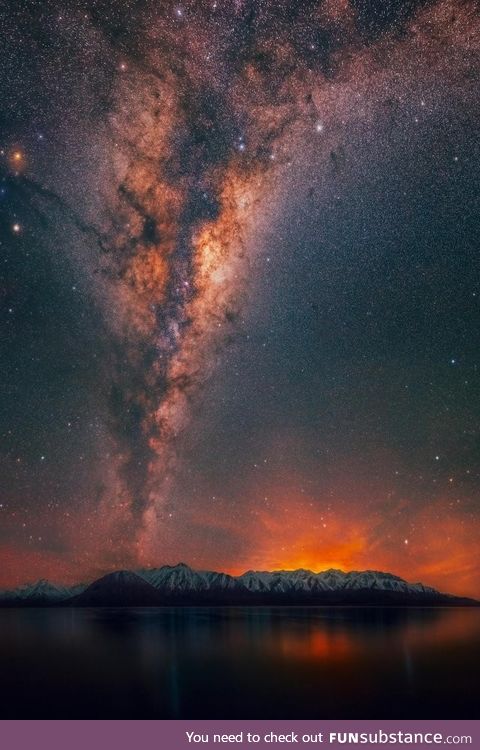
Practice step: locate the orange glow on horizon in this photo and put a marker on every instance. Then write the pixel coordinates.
(296, 532)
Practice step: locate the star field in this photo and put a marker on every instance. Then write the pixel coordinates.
(240, 287)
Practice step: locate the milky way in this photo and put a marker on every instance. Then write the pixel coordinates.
(244, 229)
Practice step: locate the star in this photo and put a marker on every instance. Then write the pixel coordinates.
(17, 160)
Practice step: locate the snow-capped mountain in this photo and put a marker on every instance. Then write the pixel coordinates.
(180, 584)
(181, 578)
(286, 581)
(42, 590)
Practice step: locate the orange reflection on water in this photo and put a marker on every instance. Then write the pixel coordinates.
(317, 644)
(347, 635)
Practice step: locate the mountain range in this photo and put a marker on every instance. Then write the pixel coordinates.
(181, 585)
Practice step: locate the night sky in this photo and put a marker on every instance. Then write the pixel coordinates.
(240, 287)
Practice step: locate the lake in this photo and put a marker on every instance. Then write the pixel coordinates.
(240, 663)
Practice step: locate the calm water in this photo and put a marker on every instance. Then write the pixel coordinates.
(239, 663)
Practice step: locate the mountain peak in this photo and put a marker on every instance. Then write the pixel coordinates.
(180, 584)
(120, 588)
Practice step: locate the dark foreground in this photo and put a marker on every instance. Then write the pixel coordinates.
(240, 663)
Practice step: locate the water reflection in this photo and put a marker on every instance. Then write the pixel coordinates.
(239, 662)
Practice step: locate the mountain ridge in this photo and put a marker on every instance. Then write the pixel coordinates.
(182, 585)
